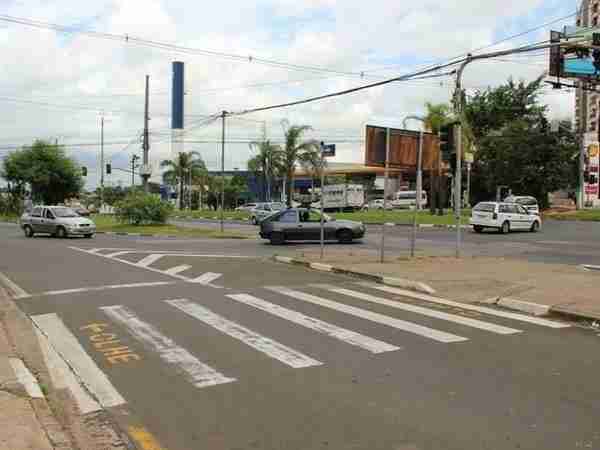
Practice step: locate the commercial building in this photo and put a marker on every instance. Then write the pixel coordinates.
(587, 114)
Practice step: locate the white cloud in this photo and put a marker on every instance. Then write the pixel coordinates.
(77, 70)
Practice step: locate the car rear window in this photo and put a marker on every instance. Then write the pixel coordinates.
(526, 201)
(486, 207)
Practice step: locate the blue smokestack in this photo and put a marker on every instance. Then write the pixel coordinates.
(177, 100)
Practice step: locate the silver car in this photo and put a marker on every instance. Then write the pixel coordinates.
(263, 210)
(58, 221)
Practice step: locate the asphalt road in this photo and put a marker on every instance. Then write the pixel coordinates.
(209, 352)
(558, 242)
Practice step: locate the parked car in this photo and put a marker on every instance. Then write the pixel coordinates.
(304, 224)
(263, 210)
(58, 221)
(504, 217)
(526, 201)
(246, 207)
(376, 204)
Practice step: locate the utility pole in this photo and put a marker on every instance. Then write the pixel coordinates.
(458, 108)
(146, 144)
(385, 193)
(223, 115)
(101, 161)
(322, 219)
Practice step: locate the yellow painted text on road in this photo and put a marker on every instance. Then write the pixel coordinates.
(109, 344)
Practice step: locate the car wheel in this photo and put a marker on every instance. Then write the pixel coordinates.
(505, 227)
(277, 238)
(28, 231)
(345, 236)
(61, 232)
(535, 227)
(254, 221)
(477, 228)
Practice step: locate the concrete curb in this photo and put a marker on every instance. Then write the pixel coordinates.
(538, 309)
(420, 226)
(396, 282)
(121, 233)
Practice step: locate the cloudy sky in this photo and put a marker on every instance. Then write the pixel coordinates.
(56, 85)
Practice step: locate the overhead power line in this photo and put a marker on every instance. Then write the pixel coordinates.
(128, 39)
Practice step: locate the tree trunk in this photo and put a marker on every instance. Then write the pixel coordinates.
(180, 192)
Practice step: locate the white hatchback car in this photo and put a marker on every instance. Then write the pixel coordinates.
(504, 217)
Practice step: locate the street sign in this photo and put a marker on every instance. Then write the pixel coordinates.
(577, 60)
(327, 150)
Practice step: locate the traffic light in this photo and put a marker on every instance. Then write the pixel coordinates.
(108, 169)
(84, 171)
(447, 141)
(593, 179)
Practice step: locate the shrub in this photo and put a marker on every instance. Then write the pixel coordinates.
(139, 208)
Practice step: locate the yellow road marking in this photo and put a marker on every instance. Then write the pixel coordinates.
(144, 438)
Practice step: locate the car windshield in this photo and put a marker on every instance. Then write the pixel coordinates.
(64, 212)
(486, 207)
(277, 206)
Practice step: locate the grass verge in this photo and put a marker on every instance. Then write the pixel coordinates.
(214, 215)
(9, 218)
(107, 223)
(590, 215)
(398, 216)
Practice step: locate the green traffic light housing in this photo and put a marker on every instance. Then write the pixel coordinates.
(447, 141)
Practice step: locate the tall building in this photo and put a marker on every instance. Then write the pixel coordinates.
(587, 114)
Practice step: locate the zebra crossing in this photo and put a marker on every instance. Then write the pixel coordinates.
(156, 338)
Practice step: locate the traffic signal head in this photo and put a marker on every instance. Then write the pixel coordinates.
(593, 179)
(447, 141)
(108, 169)
(84, 171)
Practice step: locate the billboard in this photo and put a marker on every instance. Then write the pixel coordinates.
(403, 148)
(572, 62)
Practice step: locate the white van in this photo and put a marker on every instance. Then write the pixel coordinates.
(408, 199)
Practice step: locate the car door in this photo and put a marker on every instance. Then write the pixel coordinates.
(36, 219)
(310, 225)
(48, 222)
(526, 219)
(289, 225)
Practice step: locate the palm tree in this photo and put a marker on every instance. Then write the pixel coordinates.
(296, 152)
(266, 163)
(181, 168)
(437, 115)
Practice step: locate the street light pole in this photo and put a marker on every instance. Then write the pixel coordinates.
(419, 194)
(223, 115)
(385, 193)
(101, 162)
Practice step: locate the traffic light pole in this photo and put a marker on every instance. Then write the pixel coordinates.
(385, 194)
(101, 162)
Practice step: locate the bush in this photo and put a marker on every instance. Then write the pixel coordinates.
(142, 209)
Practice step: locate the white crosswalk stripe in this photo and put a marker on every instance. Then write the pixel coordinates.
(178, 269)
(67, 346)
(150, 259)
(268, 346)
(423, 311)
(206, 278)
(403, 325)
(198, 373)
(481, 309)
(329, 329)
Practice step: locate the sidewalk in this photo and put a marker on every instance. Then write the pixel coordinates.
(22, 404)
(559, 288)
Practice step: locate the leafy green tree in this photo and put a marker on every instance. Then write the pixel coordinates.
(515, 146)
(436, 116)
(296, 151)
(178, 171)
(52, 176)
(139, 208)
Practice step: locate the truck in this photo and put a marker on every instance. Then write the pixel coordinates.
(342, 197)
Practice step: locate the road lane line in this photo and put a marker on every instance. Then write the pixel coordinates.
(13, 287)
(263, 344)
(409, 327)
(178, 269)
(67, 346)
(150, 259)
(198, 373)
(206, 278)
(106, 287)
(481, 309)
(115, 254)
(26, 378)
(423, 311)
(326, 328)
(63, 378)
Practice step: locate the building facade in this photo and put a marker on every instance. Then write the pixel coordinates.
(587, 114)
